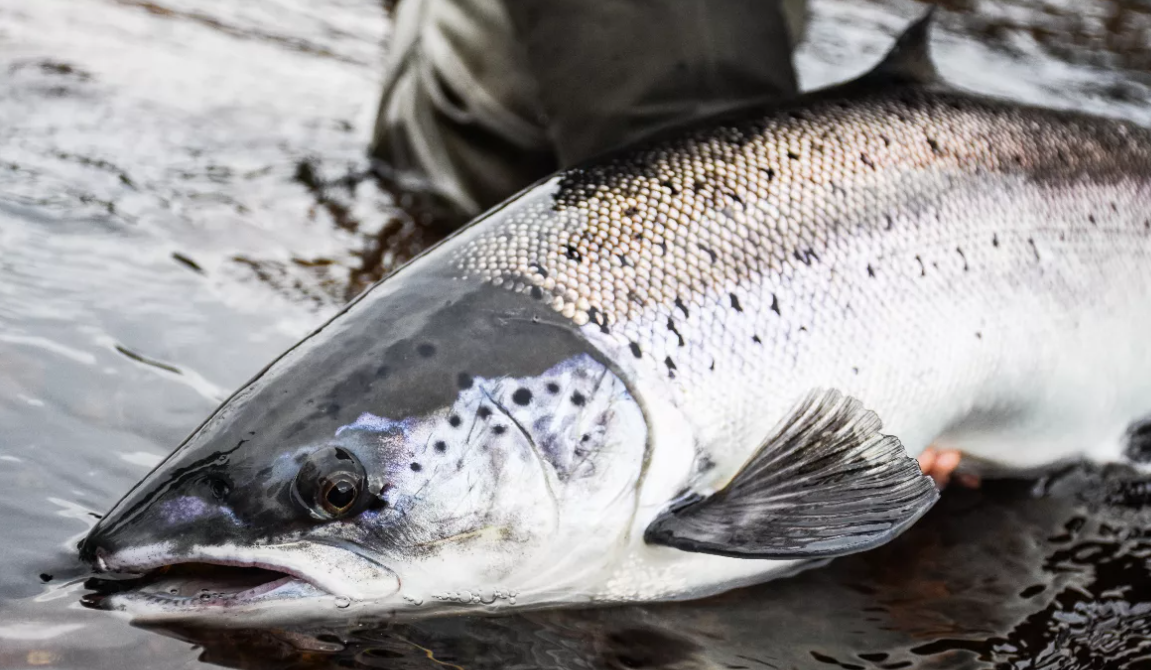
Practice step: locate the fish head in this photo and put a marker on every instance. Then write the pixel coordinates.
(479, 453)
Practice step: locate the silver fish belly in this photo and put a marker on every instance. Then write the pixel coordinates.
(663, 374)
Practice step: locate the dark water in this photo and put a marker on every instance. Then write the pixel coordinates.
(183, 194)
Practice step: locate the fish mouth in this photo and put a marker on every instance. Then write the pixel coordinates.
(199, 585)
(153, 582)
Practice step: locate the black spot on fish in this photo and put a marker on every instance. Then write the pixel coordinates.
(426, 350)
(681, 306)
(995, 240)
(666, 183)
(1034, 249)
(870, 271)
(464, 380)
(441, 446)
(855, 370)
(553, 388)
(625, 261)
(630, 211)
(454, 421)
(662, 247)
(416, 467)
(383, 371)
(539, 269)
(769, 173)
(671, 327)
(886, 140)
(670, 367)
(793, 156)
(709, 252)
(483, 412)
(866, 160)
(959, 251)
(635, 351)
(978, 335)
(934, 146)
(572, 253)
(1091, 218)
(734, 303)
(600, 319)
(578, 399)
(499, 430)
(735, 197)
(585, 438)
(775, 304)
(537, 292)
(890, 221)
(45, 577)
(922, 267)
(755, 338)
(522, 396)
(805, 256)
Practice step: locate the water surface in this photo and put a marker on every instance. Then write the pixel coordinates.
(184, 194)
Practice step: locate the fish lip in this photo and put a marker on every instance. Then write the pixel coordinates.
(325, 569)
(115, 563)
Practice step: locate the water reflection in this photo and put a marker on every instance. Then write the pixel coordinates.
(1018, 575)
(1112, 34)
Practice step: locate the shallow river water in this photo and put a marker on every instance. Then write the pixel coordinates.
(183, 195)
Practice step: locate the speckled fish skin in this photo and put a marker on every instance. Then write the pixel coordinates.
(948, 259)
(973, 270)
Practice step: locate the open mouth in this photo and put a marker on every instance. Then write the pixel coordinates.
(196, 585)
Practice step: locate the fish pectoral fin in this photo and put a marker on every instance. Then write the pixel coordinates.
(825, 483)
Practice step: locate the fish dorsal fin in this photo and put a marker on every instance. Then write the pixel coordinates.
(909, 61)
(824, 483)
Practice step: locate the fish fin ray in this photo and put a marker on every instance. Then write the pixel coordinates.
(824, 483)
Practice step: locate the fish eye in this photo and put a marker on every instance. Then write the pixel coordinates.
(330, 483)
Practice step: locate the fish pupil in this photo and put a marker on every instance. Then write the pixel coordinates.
(341, 495)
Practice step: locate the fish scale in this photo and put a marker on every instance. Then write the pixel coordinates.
(771, 255)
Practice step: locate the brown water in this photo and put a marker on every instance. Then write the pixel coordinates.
(183, 194)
